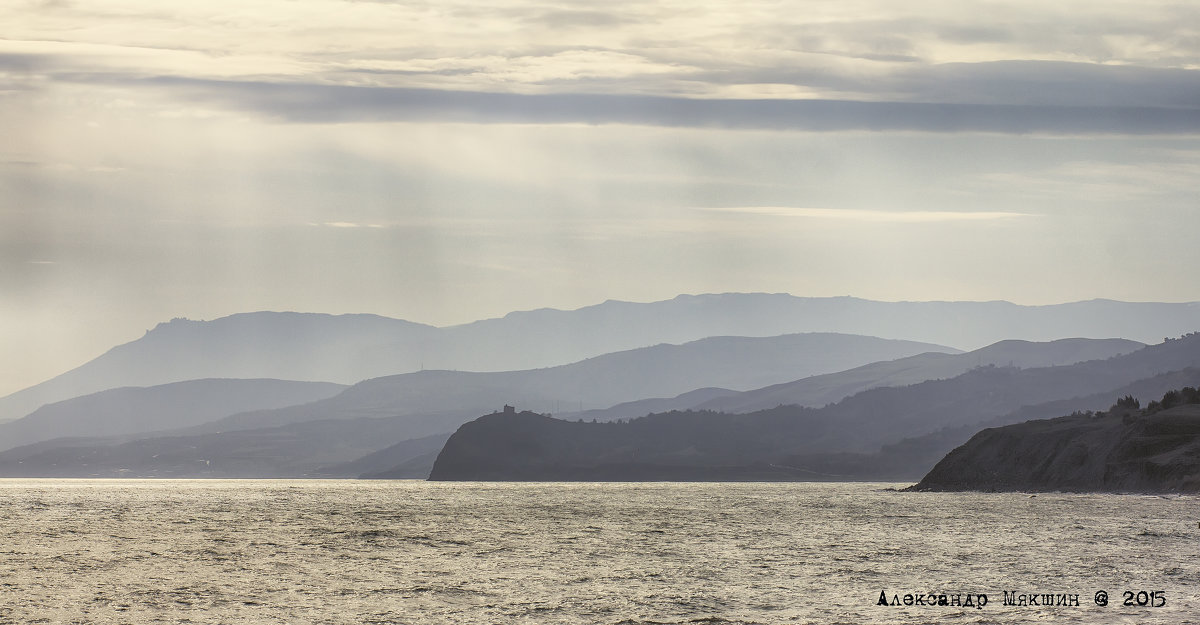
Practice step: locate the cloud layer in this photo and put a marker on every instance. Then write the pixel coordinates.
(876, 216)
(1013, 67)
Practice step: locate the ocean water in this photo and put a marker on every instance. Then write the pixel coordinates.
(265, 551)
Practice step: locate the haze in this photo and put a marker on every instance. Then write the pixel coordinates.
(451, 161)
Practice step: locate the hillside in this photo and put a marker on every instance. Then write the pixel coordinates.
(322, 449)
(350, 348)
(820, 390)
(166, 407)
(801, 443)
(765, 444)
(419, 404)
(410, 459)
(289, 346)
(672, 446)
(729, 362)
(913, 457)
(1121, 450)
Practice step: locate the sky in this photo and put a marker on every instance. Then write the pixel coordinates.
(449, 161)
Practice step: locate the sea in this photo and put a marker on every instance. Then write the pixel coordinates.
(361, 552)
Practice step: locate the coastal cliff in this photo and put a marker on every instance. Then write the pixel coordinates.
(1122, 450)
(676, 446)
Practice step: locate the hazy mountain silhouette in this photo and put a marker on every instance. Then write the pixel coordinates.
(410, 459)
(698, 445)
(820, 390)
(733, 362)
(417, 405)
(642, 407)
(310, 449)
(351, 348)
(759, 445)
(964, 325)
(133, 410)
(289, 346)
(829, 388)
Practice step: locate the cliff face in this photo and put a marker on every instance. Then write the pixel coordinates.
(493, 447)
(1119, 451)
(1152, 449)
(841, 441)
(677, 446)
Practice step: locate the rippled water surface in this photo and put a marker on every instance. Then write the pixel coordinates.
(415, 552)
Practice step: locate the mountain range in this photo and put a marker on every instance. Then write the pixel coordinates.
(820, 390)
(771, 444)
(737, 363)
(308, 449)
(140, 410)
(427, 404)
(434, 402)
(820, 403)
(350, 348)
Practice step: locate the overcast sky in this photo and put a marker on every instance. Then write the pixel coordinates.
(449, 161)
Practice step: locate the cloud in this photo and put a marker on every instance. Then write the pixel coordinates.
(580, 19)
(346, 224)
(1053, 83)
(1026, 67)
(22, 63)
(1002, 83)
(308, 103)
(876, 216)
(1158, 184)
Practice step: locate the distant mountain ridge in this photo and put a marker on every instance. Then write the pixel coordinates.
(313, 449)
(433, 403)
(348, 432)
(135, 410)
(286, 346)
(351, 348)
(819, 390)
(767, 444)
(741, 362)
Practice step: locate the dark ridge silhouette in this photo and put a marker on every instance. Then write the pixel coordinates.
(676, 446)
(911, 458)
(1124, 449)
(788, 442)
